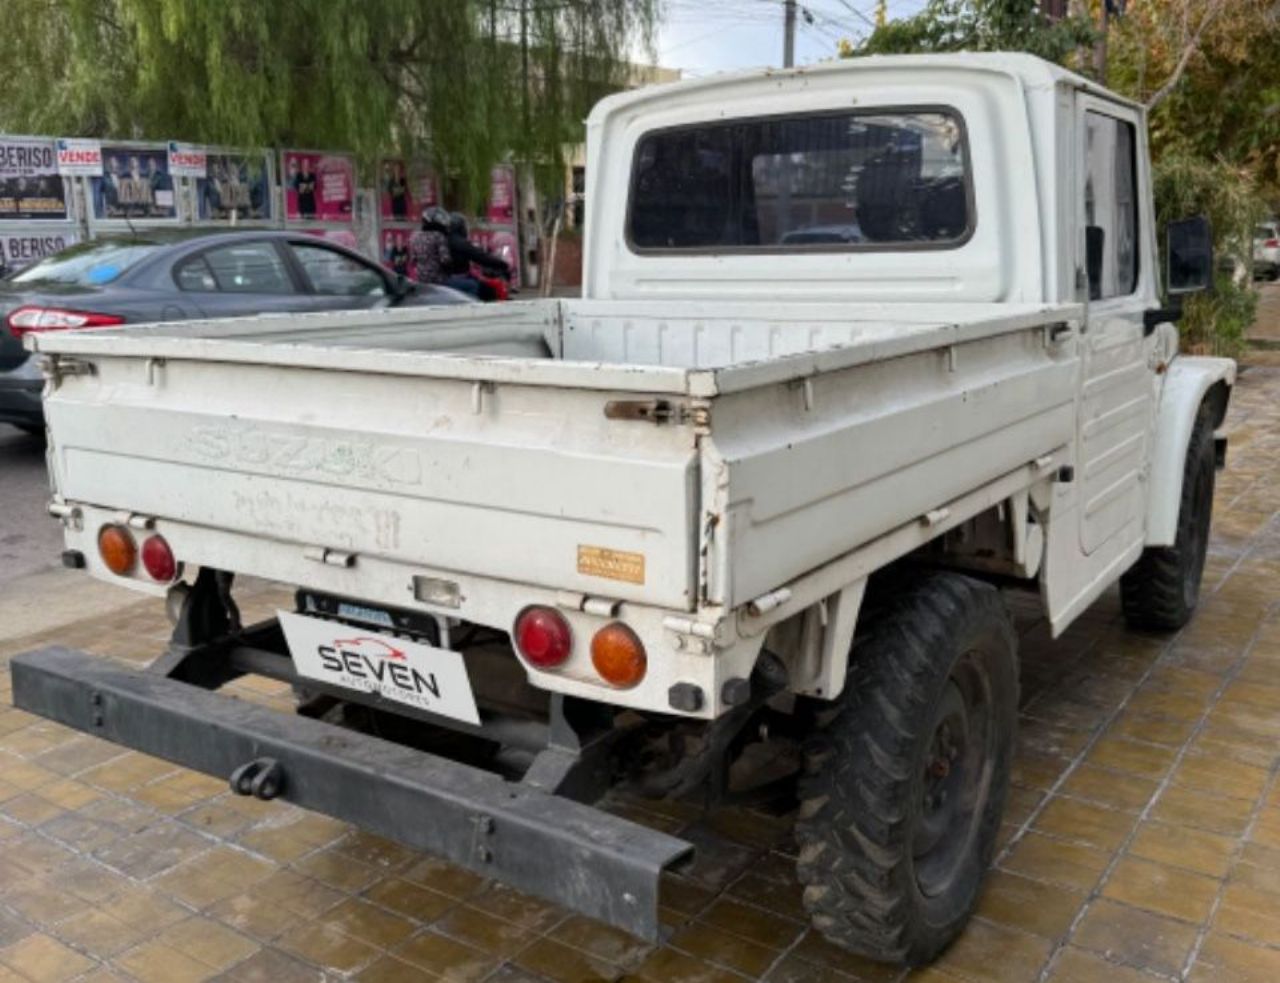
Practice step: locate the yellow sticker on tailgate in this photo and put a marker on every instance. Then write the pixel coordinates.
(597, 561)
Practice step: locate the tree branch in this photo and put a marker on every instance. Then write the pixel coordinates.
(1189, 49)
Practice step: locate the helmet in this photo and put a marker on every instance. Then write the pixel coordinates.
(435, 215)
(458, 224)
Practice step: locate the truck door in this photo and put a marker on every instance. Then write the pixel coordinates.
(1116, 399)
(1100, 527)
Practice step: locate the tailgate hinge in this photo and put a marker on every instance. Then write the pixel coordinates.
(57, 367)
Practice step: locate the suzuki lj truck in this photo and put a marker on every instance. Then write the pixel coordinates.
(860, 349)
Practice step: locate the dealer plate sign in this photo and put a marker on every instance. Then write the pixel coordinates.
(417, 675)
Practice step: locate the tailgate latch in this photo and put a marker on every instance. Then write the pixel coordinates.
(657, 411)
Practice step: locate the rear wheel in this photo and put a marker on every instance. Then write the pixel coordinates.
(1161, 590)
(903, 790)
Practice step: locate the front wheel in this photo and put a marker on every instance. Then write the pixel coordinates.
(903, 790)
(1161, 590)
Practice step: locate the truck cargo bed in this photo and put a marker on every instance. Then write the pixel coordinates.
(456, 439)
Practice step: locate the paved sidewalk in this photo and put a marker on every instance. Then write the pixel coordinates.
(1142, 839)
(1266, 326)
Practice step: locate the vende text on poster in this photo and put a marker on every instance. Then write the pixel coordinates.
(186, 160)
(79, 158)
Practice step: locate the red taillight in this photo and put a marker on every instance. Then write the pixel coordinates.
(543, 637)
(1272, 243)
(25, 320)
(158, 559)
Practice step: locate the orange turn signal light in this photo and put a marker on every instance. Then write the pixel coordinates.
(618, 655)
(118, 550)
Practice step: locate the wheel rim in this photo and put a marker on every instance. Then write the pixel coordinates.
(957, 777)
(1201, 503)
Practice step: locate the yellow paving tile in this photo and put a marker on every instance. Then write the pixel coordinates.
(1182, 846)
(1136, 938)
(1162, 889)
(1057, 861)
(1226, 960)
(42, 959)
(1086, 822)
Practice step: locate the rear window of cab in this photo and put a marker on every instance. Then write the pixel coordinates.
(883, 179)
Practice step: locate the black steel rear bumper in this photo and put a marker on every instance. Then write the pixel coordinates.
(569, 853)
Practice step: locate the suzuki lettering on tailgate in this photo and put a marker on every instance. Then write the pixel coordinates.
(408, 672)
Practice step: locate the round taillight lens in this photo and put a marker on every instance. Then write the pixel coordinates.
(543, 637)
(117, 549)
(618, 655)
(158, 559)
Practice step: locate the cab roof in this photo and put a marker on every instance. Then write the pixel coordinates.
(1030, 70)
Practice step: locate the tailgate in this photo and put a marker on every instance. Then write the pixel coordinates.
(528, 483)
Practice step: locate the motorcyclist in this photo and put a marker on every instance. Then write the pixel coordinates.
(429, 259)
(463, 254)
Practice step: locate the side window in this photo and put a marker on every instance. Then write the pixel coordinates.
(241, 268)
(194, 274)
(334, 273)
(1110, 206)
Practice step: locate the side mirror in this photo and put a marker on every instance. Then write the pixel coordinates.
(402, 286)
(1189, 248)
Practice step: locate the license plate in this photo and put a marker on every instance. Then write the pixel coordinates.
(417, 675)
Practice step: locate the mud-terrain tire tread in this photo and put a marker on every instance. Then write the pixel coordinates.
(1151, 591)
(860, 772)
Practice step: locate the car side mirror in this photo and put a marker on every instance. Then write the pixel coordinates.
(1189, 248)
(402, 286)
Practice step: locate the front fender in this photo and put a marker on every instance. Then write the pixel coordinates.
(1188, 380)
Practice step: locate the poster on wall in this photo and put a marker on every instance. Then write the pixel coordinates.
(235, 187)
(502, 196)
(19, 249)
(30, 186)
(393, 250)
(135, 184)
(404, 190)
(318, 187)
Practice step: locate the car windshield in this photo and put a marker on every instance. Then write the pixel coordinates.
(88, 265)
(1264, 232)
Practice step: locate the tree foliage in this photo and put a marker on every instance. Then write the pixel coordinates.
(1187, 184)
(1207, 69)
(463, 81)
(978, 25)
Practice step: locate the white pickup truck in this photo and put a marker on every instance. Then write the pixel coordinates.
(857, 343)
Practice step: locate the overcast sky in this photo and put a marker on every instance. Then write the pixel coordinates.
(705, 36)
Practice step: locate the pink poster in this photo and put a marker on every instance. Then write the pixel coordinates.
(394, 250)
(318, 187)
(404, 190)
(502, 196)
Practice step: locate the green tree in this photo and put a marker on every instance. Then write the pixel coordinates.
(463, 82)
(978, 25)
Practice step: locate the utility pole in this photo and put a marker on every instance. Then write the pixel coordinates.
(789, 34)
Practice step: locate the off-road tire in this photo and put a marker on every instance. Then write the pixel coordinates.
(863, 791)
(1160, 591)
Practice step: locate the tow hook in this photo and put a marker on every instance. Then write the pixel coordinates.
(263, 778)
